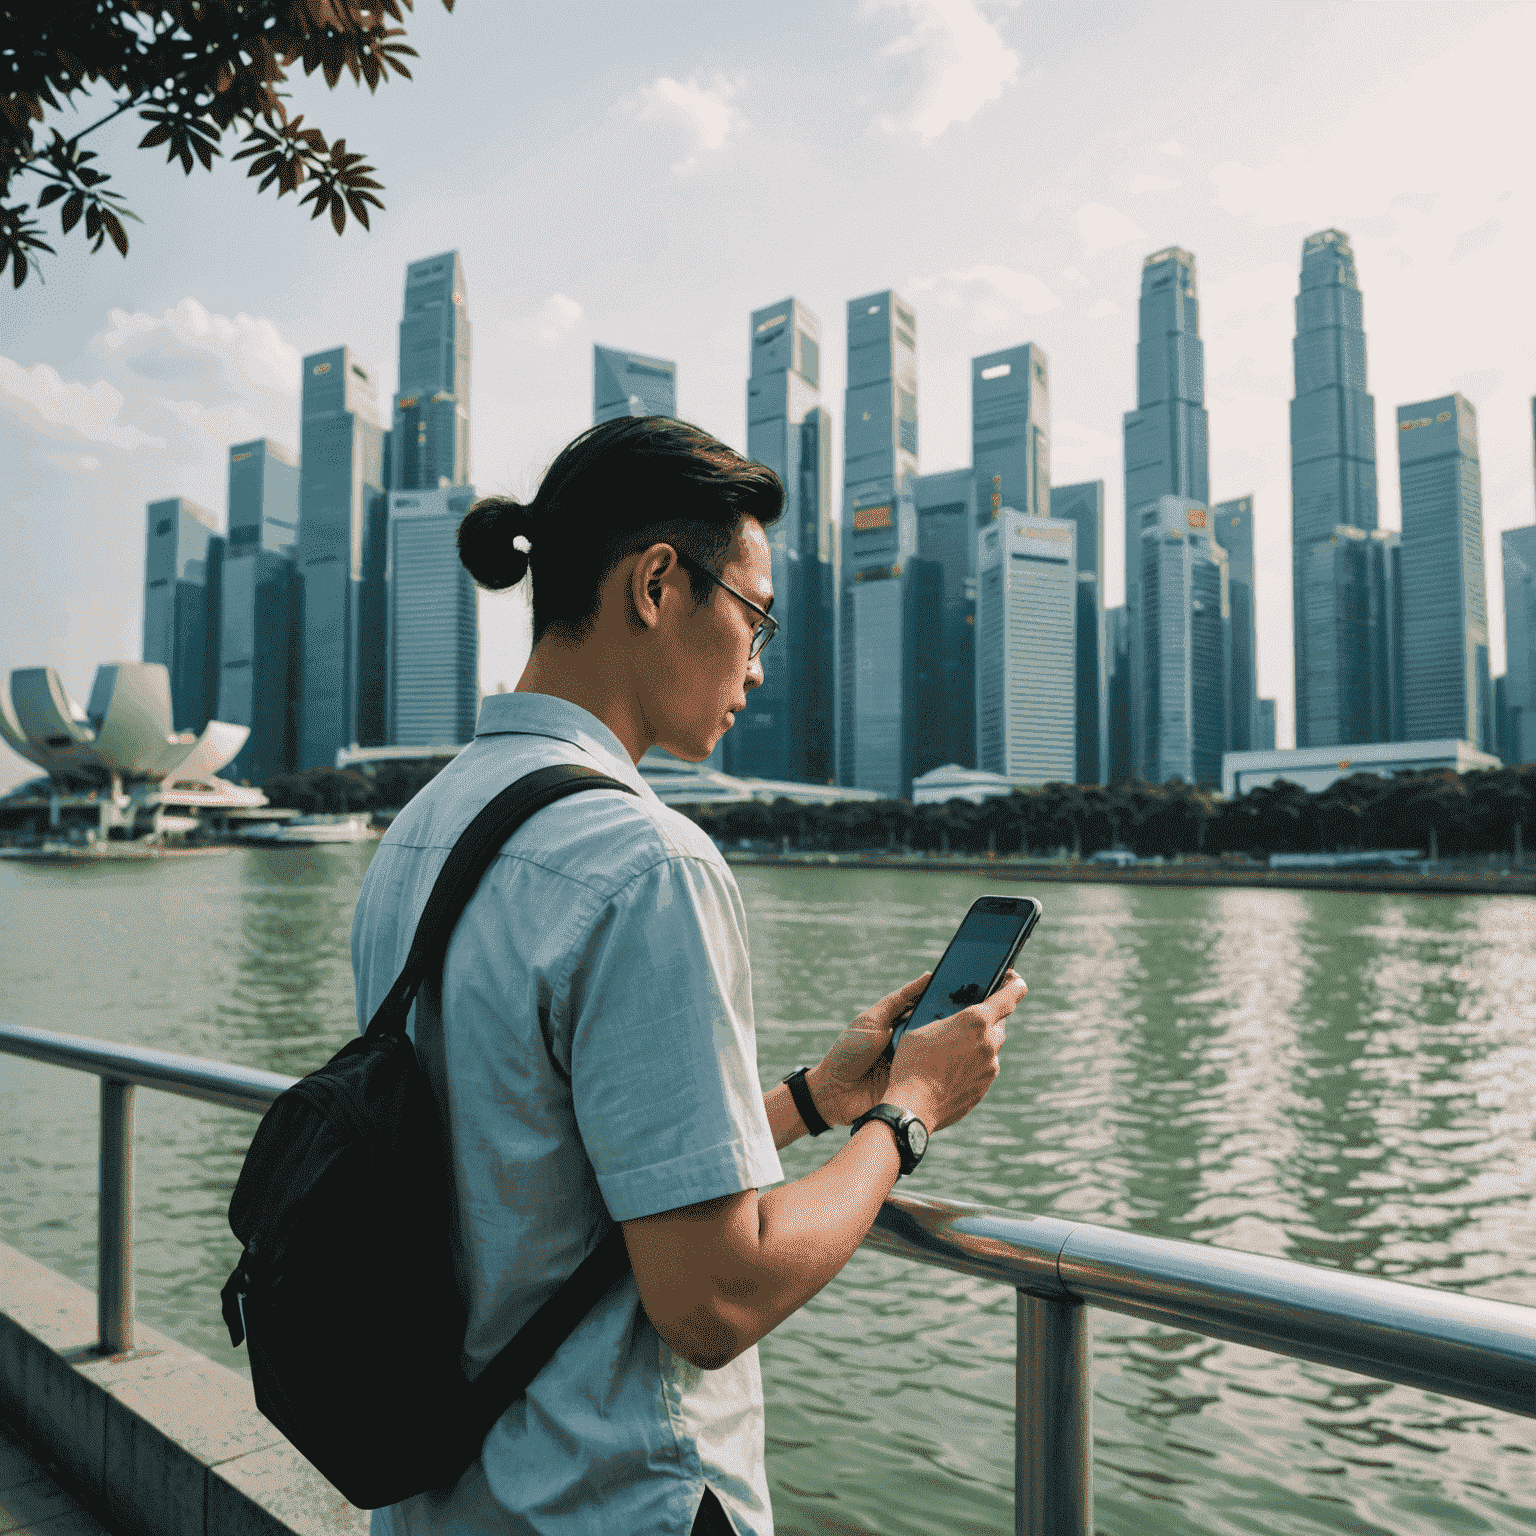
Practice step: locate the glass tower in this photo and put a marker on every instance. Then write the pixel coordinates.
(1232, 528)
(183, 554)
(1185, 618)
(1084, 505)
(1122, 756)
(787, 730)
(429, 446)
(1333, 485)
(1447, 692)
(261, 643)
(628, 384)
(1520, 642)
(1011, 431)
(434, 646)
(1026, 662)
(889, 642)
(342, 523)
(1167, 436)
(946, 528)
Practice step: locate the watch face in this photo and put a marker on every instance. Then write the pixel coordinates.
(917, 1137)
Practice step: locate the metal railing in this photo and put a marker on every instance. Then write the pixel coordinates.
(1466, 1347)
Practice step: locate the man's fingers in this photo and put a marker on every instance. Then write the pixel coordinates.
(894, 1004)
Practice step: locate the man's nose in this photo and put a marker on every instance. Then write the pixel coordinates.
(755, 673)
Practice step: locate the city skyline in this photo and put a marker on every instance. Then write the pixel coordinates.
(229, 353)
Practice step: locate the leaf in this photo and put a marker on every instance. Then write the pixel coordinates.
(338, 212)
(92, 221)
(114, 227)
(52, 194)
(72, 210)
(156, 135)
(18, 271)
(359, 209)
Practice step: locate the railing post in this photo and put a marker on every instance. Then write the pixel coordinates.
(1053, 1429)
(114, 1232)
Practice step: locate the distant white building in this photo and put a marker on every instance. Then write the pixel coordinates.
(951, 782)
(1315, 768)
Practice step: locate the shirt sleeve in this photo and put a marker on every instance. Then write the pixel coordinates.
(663, 1055)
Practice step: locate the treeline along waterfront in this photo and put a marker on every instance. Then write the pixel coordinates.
(1439, 813)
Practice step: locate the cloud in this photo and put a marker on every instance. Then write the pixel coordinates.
(557, 317)
(702, 110)
(1171, 147)
(1141, 184)
(995, 295)
(73, 412)
(1102, 310)
(1103, 228)
(1081, 452)
(962, 63)
(1474, 239)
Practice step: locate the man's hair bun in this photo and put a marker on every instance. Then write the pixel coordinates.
(486, 547)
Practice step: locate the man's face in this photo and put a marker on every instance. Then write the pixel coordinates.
(704, 684)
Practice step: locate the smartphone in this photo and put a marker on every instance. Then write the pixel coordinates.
(984, 946)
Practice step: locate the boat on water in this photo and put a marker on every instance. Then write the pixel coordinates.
(109, 851)
(306, 831)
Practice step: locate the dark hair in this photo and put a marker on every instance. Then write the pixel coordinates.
(618, 488)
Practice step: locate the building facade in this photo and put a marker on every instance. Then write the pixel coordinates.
(1011, 431)
(1519, 548)
(183, 556)
(1122, 745)
(1264, 727)
(433, 691)
(1026, 649)
(631, 384)
(261, 644)
(1232, 528)
(1333, 486)
(946, 535)
(1083, 505)
(788, 730)
(343, 519)
(429, 443)
(1447, 689)
(1185, 618)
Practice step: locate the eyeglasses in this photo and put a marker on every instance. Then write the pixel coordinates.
(764, 632)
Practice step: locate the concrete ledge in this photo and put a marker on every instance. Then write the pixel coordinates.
(157, 1442)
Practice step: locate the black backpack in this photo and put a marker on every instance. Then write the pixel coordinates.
(346, 1291)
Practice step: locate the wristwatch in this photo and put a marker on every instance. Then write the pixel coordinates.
(800, 1092)
(910, 1132)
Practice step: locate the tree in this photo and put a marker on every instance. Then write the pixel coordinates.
(193, 70)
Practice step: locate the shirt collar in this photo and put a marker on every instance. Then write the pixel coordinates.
(542, 714)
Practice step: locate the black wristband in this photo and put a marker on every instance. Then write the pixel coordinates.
(801, 1094)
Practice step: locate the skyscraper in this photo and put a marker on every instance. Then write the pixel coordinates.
(1232, 528)
(1084, 505)
(429, 446)
(1167, 436)
(1011, 431)
(882, 628)
(1447, 691)
(1184, 614)
(946, 535)
(788, 728)
(183, 554)
(434, 655)
(1026, 652)
(1333, 485)
(629, 384)
(1519, 545)
(342, 529)
(1122, 747)
(262, 611)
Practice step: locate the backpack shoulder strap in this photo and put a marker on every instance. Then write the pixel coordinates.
(477, 847)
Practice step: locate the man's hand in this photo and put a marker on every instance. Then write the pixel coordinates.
(852, 1076)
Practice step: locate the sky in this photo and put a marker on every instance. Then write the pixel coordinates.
(644, 176)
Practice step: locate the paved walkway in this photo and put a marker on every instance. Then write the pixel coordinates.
(31, 1503)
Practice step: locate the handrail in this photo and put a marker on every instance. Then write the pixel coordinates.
(1468, 1347)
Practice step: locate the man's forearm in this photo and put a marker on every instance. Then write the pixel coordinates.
(783, 1118)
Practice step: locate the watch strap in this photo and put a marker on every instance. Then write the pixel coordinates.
(799, 1091)
(897, 1118)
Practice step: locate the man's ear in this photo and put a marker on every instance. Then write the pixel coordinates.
(646, 581)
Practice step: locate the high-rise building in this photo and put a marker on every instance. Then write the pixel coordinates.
(1333, 485)
(433, 689)
(343, 515)
(261, 641)
(788, 729)
(1264, 726)
(1232, 528)
(629, 384)
(1122, 754)
(1185, 618)
(1083, 505)
(1011, 431)
(1447, 690)
(429, 445)
(1026, 649)
(946, 535)
(183, 553)
(1519, 547)
(887, 656)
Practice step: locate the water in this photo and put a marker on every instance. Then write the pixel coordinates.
(1346, 1080)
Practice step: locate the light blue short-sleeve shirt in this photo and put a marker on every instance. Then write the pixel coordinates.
(592, 1042)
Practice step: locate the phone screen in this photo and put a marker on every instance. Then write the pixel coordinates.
(977, 958)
